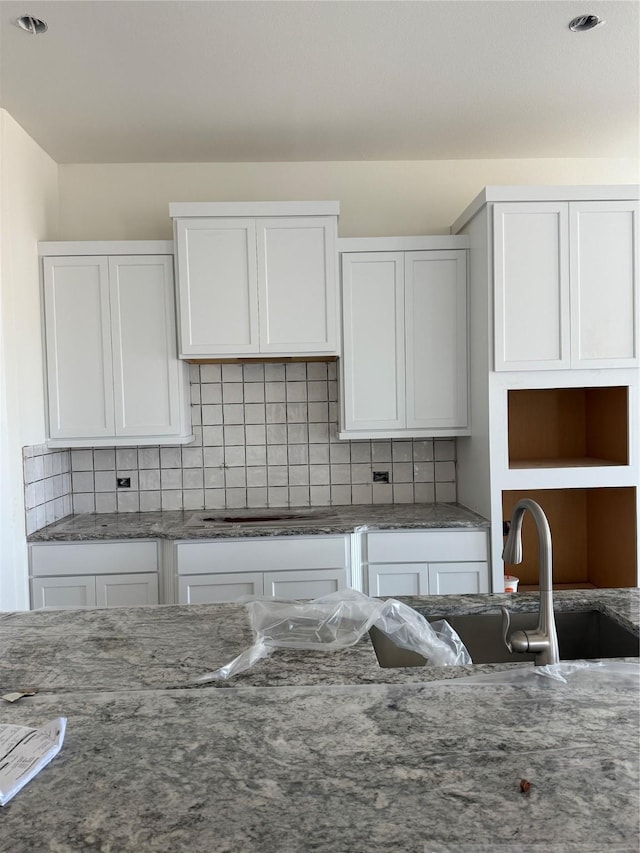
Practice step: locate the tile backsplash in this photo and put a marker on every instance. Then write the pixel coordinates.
(266, 435)
(47, 485)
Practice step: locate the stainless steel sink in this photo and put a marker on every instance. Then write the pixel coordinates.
(585, 634)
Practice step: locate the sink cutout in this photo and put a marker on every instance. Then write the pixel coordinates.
(258, 519)
(582, 635)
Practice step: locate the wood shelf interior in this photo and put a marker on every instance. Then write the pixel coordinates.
(568, 427)
(593, 533)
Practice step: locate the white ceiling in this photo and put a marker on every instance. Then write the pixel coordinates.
(237, 80)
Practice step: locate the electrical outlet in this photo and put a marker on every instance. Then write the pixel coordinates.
(380, 476)
(123, 482)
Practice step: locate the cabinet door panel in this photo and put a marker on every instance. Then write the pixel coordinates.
(373, 362)
(458, 578)
(398, 579)
(531, 270)
(126, 590)
(78, 344)
(297, 284)
(63, 593)
(604, 283)
(211, 589)
(218, 288)
(304, 584)
(436, 336)
(146, 380)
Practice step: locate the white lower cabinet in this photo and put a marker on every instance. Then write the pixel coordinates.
(286, 567)
(93, 574)
(426, 562)
(214, 588)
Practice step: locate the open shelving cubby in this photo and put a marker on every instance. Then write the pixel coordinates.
(568, 427)
(593, 533)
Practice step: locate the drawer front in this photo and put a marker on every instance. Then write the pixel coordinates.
(426, 546)
(251, 555)
(93, 558)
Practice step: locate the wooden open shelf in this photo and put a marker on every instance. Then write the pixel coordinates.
(568, 427)
(593, 534)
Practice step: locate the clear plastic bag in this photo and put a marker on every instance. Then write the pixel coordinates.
(337, 621)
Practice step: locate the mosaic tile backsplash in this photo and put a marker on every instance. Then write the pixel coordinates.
(266, 435)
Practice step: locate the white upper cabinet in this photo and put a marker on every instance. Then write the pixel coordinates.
(603, 254)
(435, 295)
(404, 368)
(113, 376)
(566, 284)
(252, 282)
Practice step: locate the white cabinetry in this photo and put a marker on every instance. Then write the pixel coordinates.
(566, 284)
(93, 574)
(555, 401)
(257, 279)
(113, 376)
(404, 367)
(286, 567)
(426, 562)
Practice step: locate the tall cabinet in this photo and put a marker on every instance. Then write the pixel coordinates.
(555, 379)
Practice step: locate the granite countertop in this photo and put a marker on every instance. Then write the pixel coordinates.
(314, 751)
(185, 524)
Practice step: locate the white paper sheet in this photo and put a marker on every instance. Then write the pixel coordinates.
(24, 752)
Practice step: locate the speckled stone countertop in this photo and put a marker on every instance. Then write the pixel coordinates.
(185, 524)
(311, 751)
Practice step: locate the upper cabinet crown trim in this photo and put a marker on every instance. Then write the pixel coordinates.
(106, 247)
(402, 244)
(620, 192)
(179, 210)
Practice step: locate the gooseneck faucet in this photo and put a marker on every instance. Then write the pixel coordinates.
(542, 641)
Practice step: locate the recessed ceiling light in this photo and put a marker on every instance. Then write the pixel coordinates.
(585, 22)
(32, 25)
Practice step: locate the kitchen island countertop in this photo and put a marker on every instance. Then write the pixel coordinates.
(312, 751)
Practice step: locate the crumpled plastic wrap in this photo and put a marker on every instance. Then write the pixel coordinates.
(337, 621)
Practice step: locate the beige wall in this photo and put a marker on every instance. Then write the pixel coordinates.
(28, 213)
(130, 201)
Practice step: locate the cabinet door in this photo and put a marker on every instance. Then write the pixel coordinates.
(217, 286)
(78, 346)
(604, 283)
(436, 339)
(531, 286)
(126, 590)
(212, 589)
(146, 379)
(64, 593)
(373, 360)
(458, 578)
(398, 579)
(304, 584)
(297, 284)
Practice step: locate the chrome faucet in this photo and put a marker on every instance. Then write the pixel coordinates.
(542, 641)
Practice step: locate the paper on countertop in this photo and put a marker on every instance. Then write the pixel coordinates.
(24, 752)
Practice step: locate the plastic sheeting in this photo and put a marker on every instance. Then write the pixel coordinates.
(338, 621)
